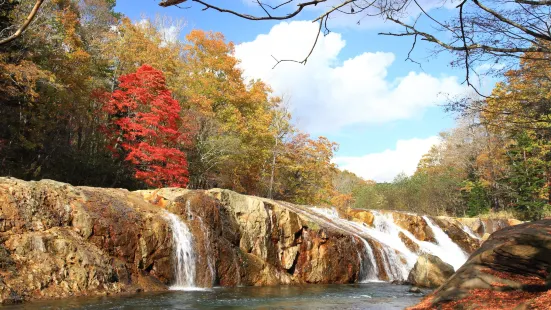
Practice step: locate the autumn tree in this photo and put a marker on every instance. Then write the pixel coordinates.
(130, 45)
(232, 117)
(47, 78)
(306, 170)
(75, 85)
(144, 128)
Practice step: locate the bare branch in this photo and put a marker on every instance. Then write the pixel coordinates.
(530, 2)
(512, 23)
(24, 26)
(476, 46)
(303, 62)
(299, 9)
(494, 31)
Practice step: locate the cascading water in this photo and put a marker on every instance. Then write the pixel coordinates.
(369, 270)
(386, 236)
(208, 250)
(387, 233)
(470, 232)
(447, 250)
(396, 258)
(184, 270)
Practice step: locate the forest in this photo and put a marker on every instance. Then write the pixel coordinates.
(90, 97)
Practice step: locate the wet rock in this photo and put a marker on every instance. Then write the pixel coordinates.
(457, 234)
(415, 224)
(410, 244)
(415, 290)
(511, 268)
(362, 216)
(430, 271)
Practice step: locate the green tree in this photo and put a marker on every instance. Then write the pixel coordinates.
(528, 175)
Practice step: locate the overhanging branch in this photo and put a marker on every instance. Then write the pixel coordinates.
(25, 24)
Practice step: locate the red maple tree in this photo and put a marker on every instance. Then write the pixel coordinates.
(143, 125)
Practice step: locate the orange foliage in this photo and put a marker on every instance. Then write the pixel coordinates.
(491, 300)
(524, 279)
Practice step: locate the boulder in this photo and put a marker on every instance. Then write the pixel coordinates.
(58, 240)
(481, 227)
(361, 216)
(511, 270)
(430, 271)
(415, 290)
(415, 224)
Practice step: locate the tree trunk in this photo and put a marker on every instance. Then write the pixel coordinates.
(273, 170)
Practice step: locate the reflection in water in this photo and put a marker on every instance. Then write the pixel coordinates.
(354, 296)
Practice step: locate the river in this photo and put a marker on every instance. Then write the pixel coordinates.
(353, 296)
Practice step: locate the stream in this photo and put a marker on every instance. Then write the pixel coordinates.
(374, 295)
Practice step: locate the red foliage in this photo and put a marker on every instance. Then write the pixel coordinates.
(144, 126)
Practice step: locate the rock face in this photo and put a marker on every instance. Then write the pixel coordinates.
(487, 226)
(57, 240)
(512, 269)
(430, 271)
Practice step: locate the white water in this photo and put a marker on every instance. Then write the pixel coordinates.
(370, 271)
(184, 270)
(470, 232)
(394, 251)
(397, 258)
(208, 251)
(447, 250)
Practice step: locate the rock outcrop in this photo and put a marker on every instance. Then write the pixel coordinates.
(511, 270)
(58, 240)
(430, 271)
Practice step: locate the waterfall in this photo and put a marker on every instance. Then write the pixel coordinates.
(447, 250)
(470, 232)
(386, 235)
(397, 265)
(397, 259)
(184, 270)
(208, 250)
(369, 269)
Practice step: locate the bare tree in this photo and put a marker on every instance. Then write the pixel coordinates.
(482, 31)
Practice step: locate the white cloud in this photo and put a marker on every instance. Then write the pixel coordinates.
(326, 94)
(384, 166)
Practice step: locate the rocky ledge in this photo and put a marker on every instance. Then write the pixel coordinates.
(511, 270)
(57, 240)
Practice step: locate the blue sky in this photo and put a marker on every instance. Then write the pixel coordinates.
(357, 89)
